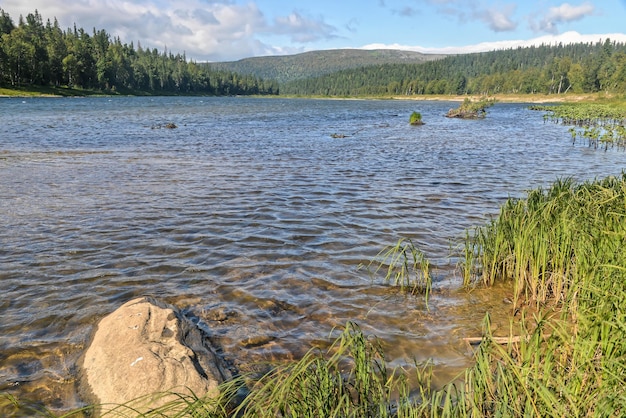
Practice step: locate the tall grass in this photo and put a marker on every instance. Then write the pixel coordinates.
(562, 367)
(552, 241)
(405, 266)
(350, 379)
(564, 247)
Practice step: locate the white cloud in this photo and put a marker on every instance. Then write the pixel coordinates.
(303, 29)
(498, 20)
(497, 17)
(563, 14)
(564, 38)
(567, 13)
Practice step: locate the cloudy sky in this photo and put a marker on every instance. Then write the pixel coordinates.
(224, 30)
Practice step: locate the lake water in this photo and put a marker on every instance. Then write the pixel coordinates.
(252, 217)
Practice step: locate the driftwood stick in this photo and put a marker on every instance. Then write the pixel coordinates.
(497, 340)
(500, 340)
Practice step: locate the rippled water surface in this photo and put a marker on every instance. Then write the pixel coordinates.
(253, 217)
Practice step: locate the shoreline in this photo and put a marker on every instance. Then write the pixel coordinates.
(519, 98)
(500, 98)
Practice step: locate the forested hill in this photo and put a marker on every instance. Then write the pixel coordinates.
(547, 69)
(36, 54)
(316, 63)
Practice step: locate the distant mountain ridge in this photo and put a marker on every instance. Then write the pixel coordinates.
(284, 68)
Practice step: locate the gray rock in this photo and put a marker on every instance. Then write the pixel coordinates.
(145, 348)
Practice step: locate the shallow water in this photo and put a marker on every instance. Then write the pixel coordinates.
(251, 216)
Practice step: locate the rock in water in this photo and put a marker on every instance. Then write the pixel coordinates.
(148, 348)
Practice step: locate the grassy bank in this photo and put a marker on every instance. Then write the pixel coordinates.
(563, 250)
(47, 91)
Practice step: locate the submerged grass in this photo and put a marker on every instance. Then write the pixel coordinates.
(405, 266)
(562, 249)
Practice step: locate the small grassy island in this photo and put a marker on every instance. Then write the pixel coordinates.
(416, 119)
(470, 109)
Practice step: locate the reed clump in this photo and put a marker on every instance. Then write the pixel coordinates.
(601, 125)
(416, 119)
(405, 266)
(552, 241)
(564, 251)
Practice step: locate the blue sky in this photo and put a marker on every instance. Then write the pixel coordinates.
(223, 30)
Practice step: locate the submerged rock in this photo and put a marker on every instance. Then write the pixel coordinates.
(169, 125)
(148, 348)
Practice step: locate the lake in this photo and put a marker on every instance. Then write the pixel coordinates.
(252, 216)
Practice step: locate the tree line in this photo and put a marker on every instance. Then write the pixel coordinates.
(546, 69)
(36, 54)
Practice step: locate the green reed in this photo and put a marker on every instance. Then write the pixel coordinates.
(561, 367)
(601, 124)
(549, 239)
(564, 247)
(350, 379)
(405, 266)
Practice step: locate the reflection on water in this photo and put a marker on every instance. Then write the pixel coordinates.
(251, 216)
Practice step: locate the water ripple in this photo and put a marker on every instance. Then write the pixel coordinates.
(252, 217)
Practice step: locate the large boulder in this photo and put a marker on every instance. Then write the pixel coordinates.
(145, 352)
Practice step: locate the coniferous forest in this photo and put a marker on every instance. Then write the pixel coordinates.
(34, 53)
(545, 69)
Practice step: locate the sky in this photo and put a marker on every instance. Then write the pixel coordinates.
(227, 30)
